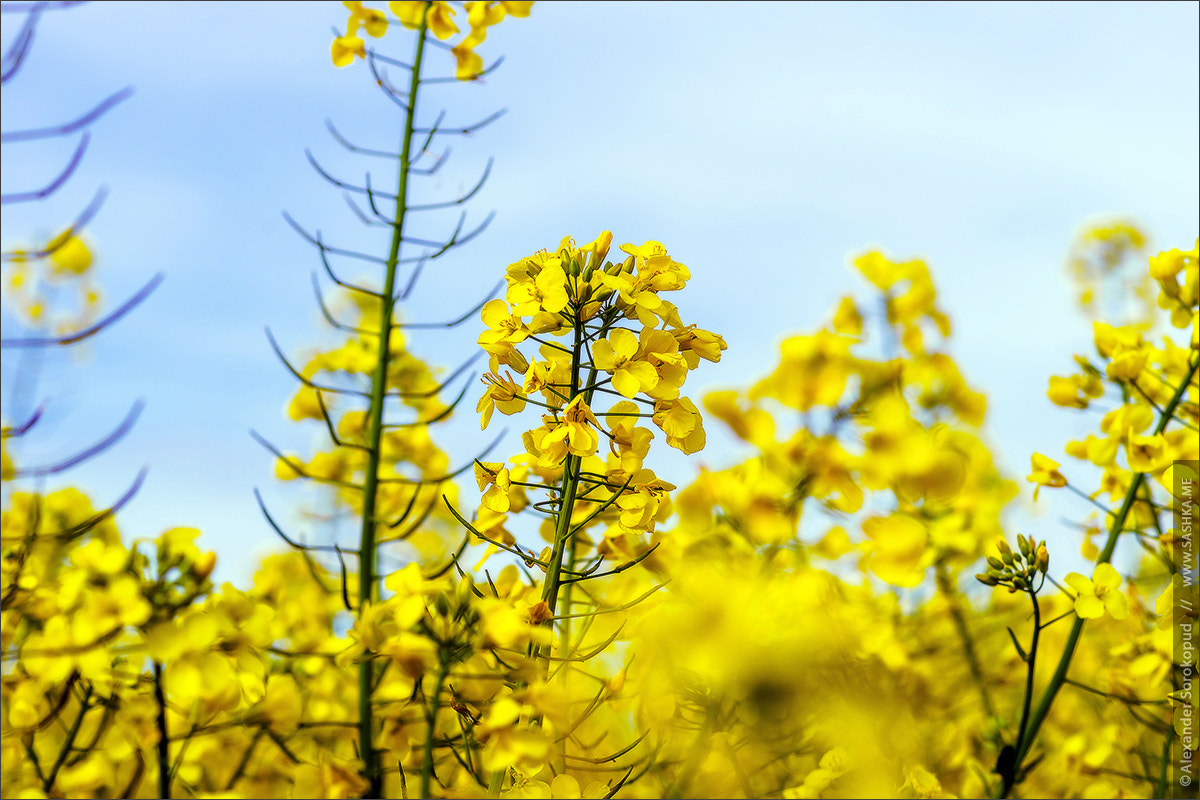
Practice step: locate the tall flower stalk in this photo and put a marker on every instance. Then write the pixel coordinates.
(612, 352)
(373, 458)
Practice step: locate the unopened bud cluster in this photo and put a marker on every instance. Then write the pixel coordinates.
(1016, 570)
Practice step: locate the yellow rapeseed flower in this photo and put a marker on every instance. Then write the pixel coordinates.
(1100, 594)
(1045, 473)
(618, 356)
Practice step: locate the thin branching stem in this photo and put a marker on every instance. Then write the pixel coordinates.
(1114, 531)
(367, 588)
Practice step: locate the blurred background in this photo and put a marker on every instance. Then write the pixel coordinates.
(765, 145)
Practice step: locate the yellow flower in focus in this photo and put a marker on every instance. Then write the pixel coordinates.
(618, 356)
(502, 393)
(1045, 473)
(502, 324)
(660, 349)
(599, 247)
(494, 477)
(1100, 594)
(680, 420)
(629, 442)
(576, 433)
(697, 343)
(648, 501)
(547, 291)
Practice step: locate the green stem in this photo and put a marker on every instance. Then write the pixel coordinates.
(1160, 789)
(570, 488)
(367, 588)
(964, 634)
(1110, 545)
(1010, 778)
(164, 756)
(84, 708)
(427, 764)
(564, 635)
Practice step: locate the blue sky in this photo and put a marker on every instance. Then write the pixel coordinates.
(764, 144)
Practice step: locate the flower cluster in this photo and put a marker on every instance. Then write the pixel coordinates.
(410, 464)
(603, 330)
(740, 638)
(1016, 570)
(65, 260)
(898, 426)
(1105, 263)
(755, 672)
(437, 17)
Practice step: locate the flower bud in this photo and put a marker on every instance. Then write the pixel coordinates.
(995, 563)
(516, 359)
(986, 580)
(203, 566)
(1043, 558)
(442, 603)
(1023, 543)
(1005, 550)
(464, 590)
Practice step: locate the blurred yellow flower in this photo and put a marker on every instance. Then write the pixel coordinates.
(1045, 473)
